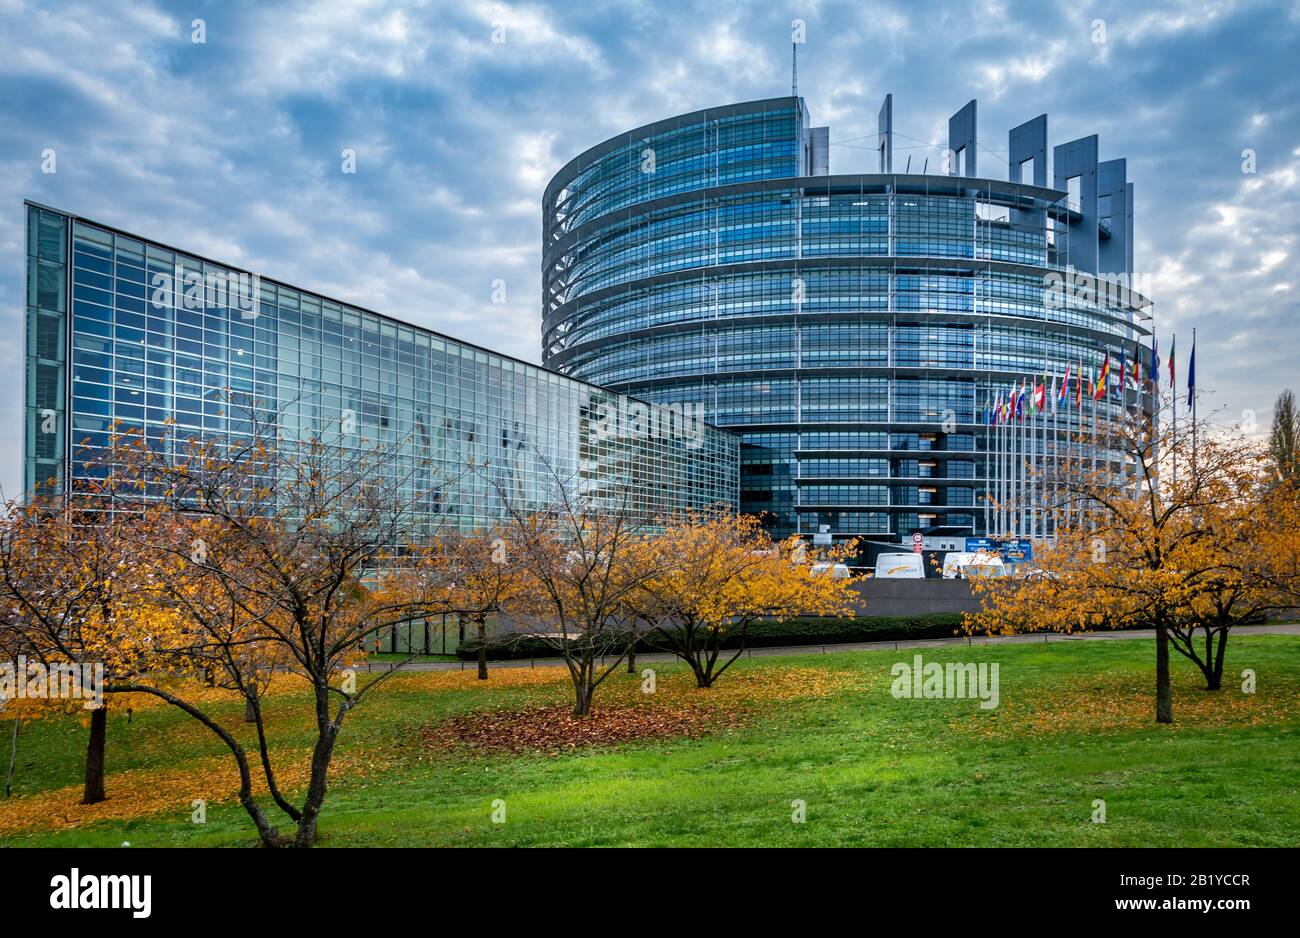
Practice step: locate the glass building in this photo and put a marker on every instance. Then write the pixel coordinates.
(855, 330)
(123, 330)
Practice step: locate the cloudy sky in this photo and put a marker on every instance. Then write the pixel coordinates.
(231, 147)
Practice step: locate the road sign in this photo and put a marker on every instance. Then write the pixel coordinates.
(918, 542)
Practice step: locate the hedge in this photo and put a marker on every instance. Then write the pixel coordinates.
(807, 630)
(802, 631)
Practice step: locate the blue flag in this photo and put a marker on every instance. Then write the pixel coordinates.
(1191, 373)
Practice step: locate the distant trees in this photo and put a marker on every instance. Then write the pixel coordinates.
(1284, 439)
(1189, 558)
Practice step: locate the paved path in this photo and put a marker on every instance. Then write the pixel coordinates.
(1280, 628)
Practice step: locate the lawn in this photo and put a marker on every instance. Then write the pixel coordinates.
(415, 768)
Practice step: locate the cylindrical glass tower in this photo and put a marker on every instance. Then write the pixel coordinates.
(857, 330)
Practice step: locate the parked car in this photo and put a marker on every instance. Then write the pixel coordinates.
(900, 566)
(837, 571)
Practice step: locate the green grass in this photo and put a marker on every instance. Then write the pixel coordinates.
(871, 769)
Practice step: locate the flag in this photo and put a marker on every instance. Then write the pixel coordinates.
(1078, 388)
(1137, 369)
(1123, 372)
(1154, 370)
(1099, 390)
(1173, 378)
(1191, 372)
(1040, 394)
(1055, 396)
(1065, 385)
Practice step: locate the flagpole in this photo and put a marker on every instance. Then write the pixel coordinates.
(1079, 441)
(1092, 399)
(1002, 474)
(1092, 395)
(988, 452)
(1191, 384)
(1042, 462)
(1021, 517)
(1031, 467)
(1055, 487)
(1056, 456)
(1076, 454)
(997, 479)
(1012, 449)
(1028, 529)
(1010, 512)
(1008, 444)
(1038, 477)
(1173, 394)
(1013, 498)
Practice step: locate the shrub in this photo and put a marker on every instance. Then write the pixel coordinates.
(808, 630)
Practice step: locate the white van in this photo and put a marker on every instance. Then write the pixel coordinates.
(985, 567)
(953, 561)
(964, 565)
(900, 566)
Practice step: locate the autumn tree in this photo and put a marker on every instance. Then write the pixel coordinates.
(482, 580)
(717, 573)
(13, 648)
(577, 553)
(283, 556)
(1244, 568)
(1136, 547)
(70, 588)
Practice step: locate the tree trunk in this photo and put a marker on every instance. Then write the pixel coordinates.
(320, 762)
(582, 694)
(266, 832)
(327, 733)
(250, 706)
(481, 622)
(13, 757)
(94, 790)
(1214, 678)
(631, 656)
(1164, 690)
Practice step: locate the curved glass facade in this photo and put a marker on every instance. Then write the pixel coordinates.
(854, 329)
